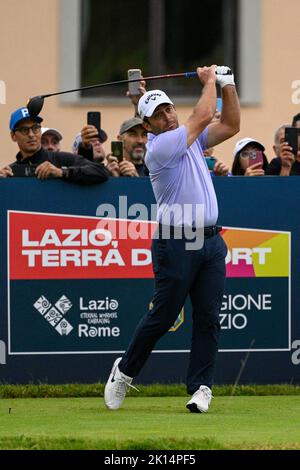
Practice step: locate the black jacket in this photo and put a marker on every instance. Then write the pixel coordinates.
(79, 170)
(274, 167)
(87, 152)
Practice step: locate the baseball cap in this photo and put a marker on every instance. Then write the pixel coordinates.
(129, 124)
(244, 142)
(149, 102)
(19, 115)
(102, 136)
(51, 130)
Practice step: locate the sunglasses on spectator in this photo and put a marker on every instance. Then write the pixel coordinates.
(24, 130)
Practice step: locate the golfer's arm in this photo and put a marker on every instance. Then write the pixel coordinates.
(203, 112)
(229, 123)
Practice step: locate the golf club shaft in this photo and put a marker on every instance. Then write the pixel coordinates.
(120, 82)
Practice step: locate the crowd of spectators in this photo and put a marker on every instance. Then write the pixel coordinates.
(40, 151)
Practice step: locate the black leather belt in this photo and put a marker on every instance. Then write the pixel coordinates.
(212, 231)
(178, 230)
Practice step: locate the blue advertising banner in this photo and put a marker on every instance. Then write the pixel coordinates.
(76, 277)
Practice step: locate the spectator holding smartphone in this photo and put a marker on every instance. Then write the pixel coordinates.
(25, 131)
(88, 144)
(285, 162)
(135, 90)
(133, 135)
(245, 151)
(215, 166)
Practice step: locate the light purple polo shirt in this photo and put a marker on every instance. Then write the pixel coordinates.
(180, 179)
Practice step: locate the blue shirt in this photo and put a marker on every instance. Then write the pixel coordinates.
(180, 179)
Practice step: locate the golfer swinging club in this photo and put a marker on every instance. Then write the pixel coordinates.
(180, 178)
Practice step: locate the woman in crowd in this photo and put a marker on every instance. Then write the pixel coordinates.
(249, 158)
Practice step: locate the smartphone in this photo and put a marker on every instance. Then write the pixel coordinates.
(256, 157)
(94, 119)
(133, 87)
(211, 161)
(291, 137)
(117, 149)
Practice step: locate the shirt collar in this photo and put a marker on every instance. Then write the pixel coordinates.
(28, 159)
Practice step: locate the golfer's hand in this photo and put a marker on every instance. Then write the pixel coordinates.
(113, 165)
(254, 170)
(46, 170)
(87, 133)
(6, 172)
(223, 79)
(207, 74)
(127, 169)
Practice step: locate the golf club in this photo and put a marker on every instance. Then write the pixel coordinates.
(36, 103)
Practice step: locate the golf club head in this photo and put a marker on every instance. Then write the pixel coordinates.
(35, 105)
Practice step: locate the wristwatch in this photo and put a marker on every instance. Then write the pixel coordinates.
(65, 172)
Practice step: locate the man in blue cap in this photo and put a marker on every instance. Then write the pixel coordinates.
(33, 160)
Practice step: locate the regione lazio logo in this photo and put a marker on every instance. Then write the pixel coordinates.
(55, 314)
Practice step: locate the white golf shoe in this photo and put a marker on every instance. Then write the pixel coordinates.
(200, 401)
(116, 387)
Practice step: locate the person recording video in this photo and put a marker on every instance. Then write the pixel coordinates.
(33, 160)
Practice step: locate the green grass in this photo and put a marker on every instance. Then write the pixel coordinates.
(237, 422)
(154, 390)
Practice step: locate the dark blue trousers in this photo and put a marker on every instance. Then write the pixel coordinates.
(178, 273)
